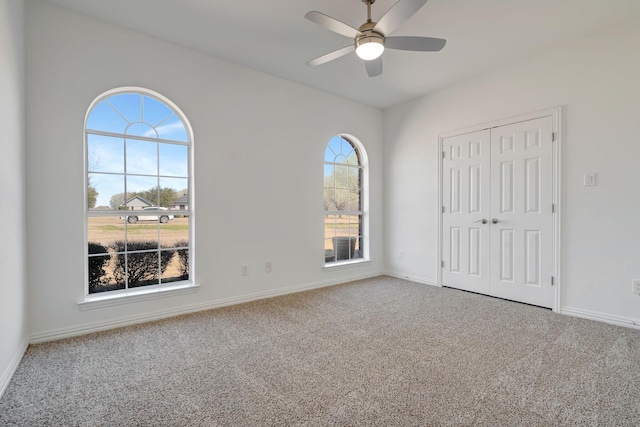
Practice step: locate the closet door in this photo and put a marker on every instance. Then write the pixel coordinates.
(521, 212)
(465, 219)
(497, 220)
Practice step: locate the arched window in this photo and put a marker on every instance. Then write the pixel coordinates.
(345, 201)
(139, 192)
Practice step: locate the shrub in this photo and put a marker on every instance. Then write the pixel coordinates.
(183, 259)
(141, 268)
(97, 274)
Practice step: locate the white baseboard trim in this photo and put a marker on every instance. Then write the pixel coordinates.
(57, 334)
(5, 379)
(411, 278)
(601, 317)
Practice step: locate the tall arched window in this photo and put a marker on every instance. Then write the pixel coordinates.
(345, 201)
(139, 192)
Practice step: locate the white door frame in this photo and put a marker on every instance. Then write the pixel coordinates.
(556, 116)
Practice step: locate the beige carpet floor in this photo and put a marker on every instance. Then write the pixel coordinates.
(377, 352)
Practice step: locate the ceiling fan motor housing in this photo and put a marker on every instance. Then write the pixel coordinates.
(369, 36)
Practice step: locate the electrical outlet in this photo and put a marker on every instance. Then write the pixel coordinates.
(635, 286)
(244, 269)
(268, 267)
(589, 179)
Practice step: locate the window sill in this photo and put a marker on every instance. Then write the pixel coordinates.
(352, 263)
(91, 302)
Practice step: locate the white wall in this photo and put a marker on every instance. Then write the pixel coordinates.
(595, 79)
(13, 288)
(259, 144)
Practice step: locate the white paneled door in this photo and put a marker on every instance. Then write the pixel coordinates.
(465, 222)
(497, 222)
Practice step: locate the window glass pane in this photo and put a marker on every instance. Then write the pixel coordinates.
(358, 252)
(353, 179)
(341, 200)
(174, 160)
(182, 256)
(172, 190)
(175, 264)
(141, 129)
(344, 247)
(330, 226)
(329, 199)
(334, 148)
(101, 278)
(328, 172)
(329, 234)
(142, 268)
(105, 191)
(155, 111)
(105, 118)
(142, 234)
(142, 191)
(173, 129)
(105, 154)
(347, 148)
(142, 157)
(97, 269)
(340, 159)
(175, 233)
(103, 231)
(341, 176)
(352, 159)
(127, 104)
(354, 202)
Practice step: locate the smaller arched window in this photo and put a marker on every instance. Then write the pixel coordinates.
(344, 201)
(139, 192)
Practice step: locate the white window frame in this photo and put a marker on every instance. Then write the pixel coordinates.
(107, 298)
(364, 204)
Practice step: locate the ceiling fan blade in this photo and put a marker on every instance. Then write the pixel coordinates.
(374, 67)
(421, 44)
(332, 55)
(398, 13)
(332, 24)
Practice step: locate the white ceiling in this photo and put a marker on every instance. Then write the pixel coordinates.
(274, 37)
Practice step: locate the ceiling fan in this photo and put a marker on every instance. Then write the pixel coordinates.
(371, 38)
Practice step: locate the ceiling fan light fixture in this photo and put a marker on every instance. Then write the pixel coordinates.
(369, 48)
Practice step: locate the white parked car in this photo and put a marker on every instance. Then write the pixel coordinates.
(146, 215)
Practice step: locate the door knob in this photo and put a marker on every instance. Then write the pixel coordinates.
(483, 220)
(495, 221)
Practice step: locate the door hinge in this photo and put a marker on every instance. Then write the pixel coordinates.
(553, 282)
(553, 136)
(553, 208)
(444, 154)
(442, 264)
(443, 209)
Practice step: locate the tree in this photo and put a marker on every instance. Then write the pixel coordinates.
(97, 264)
(162, 196)
(155, 195)
(116, 201)
(92, 195)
